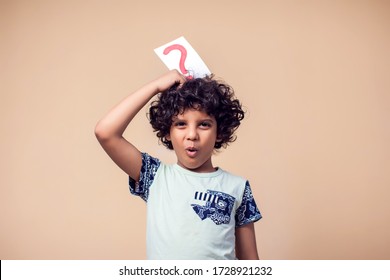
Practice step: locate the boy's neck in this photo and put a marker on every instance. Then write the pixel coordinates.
(207, 167)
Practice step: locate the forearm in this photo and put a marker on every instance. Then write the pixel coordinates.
(115, 122)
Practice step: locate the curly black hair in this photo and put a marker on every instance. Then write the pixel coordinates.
(214, 97)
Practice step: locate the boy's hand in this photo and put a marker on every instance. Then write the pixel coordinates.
(167, 80)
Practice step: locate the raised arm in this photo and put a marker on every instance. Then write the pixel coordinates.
(109, 130)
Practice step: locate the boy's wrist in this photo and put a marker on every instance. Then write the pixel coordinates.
(152, 88)
(167, 80)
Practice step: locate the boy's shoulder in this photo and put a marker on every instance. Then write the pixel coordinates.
(232, 176)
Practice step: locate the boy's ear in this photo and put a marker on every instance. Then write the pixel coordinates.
(168, 137)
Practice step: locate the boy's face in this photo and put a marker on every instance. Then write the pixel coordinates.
(193, 135)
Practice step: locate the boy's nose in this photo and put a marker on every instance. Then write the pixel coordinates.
(192, 134)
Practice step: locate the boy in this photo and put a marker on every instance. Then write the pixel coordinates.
(194, 210)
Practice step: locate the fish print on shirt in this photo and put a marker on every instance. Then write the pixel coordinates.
(217, 206)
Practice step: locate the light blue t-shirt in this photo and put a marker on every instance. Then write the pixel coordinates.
(192, 215)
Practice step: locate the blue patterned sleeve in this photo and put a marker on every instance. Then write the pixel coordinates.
(247, 212)
(149, 168)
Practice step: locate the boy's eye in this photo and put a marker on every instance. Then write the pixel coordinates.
(179, 123)
(205, 124)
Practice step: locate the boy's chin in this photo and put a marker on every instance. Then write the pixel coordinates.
(200, 168)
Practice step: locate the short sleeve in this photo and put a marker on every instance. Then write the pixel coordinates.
(149, 169)
(247, 212)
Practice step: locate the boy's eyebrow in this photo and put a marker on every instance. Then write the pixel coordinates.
(207, 120)
(178, 118)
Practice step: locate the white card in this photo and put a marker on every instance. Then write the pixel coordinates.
(180, 55)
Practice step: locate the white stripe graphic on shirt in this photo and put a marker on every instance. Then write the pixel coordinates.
(206, 197)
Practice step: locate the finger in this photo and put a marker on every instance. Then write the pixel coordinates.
(181, 79)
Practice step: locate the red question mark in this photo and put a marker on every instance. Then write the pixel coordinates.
(183, 57)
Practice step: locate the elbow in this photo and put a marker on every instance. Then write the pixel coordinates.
(106, 133)
(101, 132)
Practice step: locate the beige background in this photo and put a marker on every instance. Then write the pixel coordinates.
(313, 75)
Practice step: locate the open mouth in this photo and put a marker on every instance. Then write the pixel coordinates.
(192, 151)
